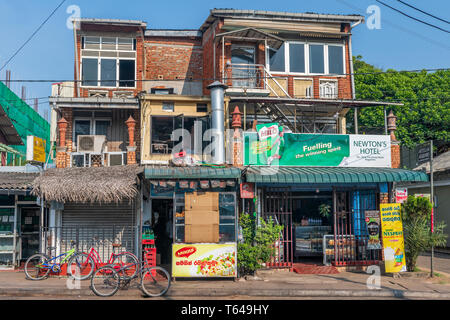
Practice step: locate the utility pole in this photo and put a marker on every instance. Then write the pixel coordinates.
(432, 204)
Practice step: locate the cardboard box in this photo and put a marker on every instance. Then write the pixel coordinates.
(202, 201)
(201, 217)
(201, 233)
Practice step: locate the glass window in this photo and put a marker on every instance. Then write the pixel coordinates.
(126, 73)
(202, 107)
(108, 43)
(91, 42)
(90, 72)
(227, 233)
(168, 106)
(335, 60)
(276, 59)
(102, 127)
(108, 73)
(125, 44)
(297, 57)
(82, 127)
(316, 61)
(161, 134)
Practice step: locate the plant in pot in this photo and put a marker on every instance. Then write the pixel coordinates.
(325, 210)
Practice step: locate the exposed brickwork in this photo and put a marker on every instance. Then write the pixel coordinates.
(173, 58)
(395, 154)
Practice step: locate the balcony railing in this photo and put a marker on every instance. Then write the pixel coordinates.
(252, 76)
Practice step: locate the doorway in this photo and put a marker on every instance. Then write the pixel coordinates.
(162, 225)
(29, 231)
(243, 69)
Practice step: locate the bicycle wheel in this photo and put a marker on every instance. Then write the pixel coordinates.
(37, 266)
(155, 281)
(126, 264)
(81, 266)
(105, 282)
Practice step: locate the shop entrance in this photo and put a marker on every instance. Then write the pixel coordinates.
(162, 225)
(313, 219)
(29, 231)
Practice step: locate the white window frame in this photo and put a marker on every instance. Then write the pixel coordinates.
(117, 58)
(337, 87)
(307, 58)
(312, 85)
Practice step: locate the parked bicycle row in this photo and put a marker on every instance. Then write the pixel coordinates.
(106, 277)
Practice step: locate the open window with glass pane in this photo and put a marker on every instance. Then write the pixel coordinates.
(277, 59)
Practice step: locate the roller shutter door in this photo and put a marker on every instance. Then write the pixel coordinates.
(100, 226)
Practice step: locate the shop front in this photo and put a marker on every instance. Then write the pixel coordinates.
(20, 218)
(322, 190)
(192, 212)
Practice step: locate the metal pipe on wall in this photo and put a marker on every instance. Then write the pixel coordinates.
(217, 90)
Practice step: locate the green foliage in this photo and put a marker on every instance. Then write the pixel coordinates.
(258, 245)
(416, 216)
(324, 210)
(425, 114)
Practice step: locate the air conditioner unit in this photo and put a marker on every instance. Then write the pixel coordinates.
(91, 143)
(116, 159)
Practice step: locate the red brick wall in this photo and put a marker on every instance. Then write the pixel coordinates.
(208, 56)
(173, 58)
(395, 154)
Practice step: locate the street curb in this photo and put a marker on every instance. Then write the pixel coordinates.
(287, 293)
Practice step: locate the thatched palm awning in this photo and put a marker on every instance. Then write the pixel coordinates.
(88, 185)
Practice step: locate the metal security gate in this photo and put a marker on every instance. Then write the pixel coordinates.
(277, 205)
(99, 226)
(350, 232)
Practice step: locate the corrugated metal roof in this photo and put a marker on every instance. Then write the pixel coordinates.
(17, 180)
(163, 172)
(331, 175)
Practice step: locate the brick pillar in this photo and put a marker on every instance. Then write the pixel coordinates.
(237, 138)
(61, 150)
(131, 148)
(395, 145)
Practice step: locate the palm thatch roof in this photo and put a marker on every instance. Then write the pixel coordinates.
(88, 185)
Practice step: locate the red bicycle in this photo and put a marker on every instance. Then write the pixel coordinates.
(82, 265)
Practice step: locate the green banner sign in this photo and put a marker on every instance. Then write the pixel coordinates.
(270, 146)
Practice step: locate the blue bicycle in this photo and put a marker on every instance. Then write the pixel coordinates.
(39, 265)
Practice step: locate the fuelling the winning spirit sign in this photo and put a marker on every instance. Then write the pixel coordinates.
(272, 146)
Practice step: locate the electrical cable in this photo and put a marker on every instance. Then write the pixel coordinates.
(424, 12)
(32, 35)
(421, 21)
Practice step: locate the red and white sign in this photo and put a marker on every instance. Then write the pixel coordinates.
(401, 195)
(247, 190)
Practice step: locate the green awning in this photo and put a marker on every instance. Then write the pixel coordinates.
(160, 172)
(331, 175)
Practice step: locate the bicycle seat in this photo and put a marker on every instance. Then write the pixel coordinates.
(51, 248)
(117, 245)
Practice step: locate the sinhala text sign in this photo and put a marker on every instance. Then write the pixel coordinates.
(35, 149)
(204, 260)
(393, 242)
(325, 150)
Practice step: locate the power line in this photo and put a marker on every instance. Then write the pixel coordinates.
(409, 31)
(213, 79)
(421, 21)
(415, 8)
(32, 35)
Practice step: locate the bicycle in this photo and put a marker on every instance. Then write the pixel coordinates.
(39, 265)
(107, 280)
(87, 263)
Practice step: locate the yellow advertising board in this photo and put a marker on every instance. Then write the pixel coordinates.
(204, 260)
(35, 149)
(393, 242)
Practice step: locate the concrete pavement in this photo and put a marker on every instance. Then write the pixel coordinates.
(268, 283)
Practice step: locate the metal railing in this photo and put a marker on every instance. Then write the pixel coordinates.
(251, 76)
(56, 240)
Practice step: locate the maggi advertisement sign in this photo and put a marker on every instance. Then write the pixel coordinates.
(204, 260)
(392, 233)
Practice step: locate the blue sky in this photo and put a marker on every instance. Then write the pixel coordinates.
(401, 43)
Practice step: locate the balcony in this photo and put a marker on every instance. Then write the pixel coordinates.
(251, 80)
